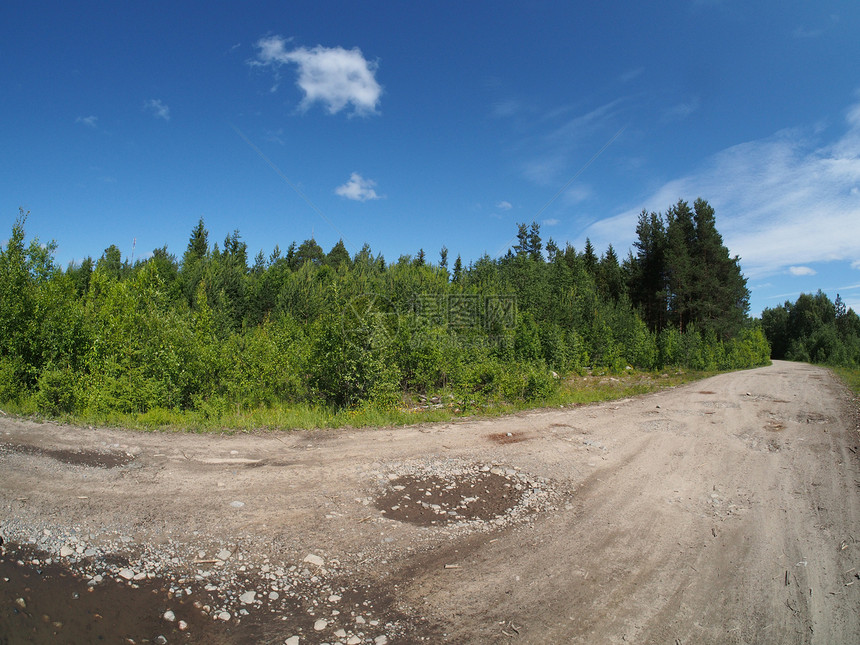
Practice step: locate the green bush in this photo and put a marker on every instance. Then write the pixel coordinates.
(56, 392)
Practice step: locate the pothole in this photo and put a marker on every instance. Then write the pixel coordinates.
(475, 494)
(91, 458)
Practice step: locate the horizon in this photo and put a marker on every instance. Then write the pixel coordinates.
(407, 128)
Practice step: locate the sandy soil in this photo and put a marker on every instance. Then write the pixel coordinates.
(725, 511)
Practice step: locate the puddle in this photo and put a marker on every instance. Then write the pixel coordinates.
(90, 458)
(437, 501)
(42, 601)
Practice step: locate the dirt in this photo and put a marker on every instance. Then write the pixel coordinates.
(726, 511)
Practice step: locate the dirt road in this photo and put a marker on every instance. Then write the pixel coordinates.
(726, 511)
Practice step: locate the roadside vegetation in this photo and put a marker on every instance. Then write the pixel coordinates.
(305, 338)
(815, 329)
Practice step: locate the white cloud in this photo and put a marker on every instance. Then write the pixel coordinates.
(158, 109)
(550, 222)
(802, 271)
(855, 264)
(333, 76)
(782, 201)
(89, 121)
(504, 206)
(358, 189)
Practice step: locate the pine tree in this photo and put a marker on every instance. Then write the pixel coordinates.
(534, 242)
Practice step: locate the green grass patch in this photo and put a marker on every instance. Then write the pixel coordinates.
(571, 391)
(850, 376)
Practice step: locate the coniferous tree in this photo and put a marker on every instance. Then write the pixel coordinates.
(534, 244)
(338, 256)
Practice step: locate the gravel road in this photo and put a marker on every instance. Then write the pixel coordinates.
(724, 511)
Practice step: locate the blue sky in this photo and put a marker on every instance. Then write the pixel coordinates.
(417, 125)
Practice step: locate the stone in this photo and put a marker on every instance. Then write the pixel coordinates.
(320, 624)
(248, 597)
(310, 558)
(353, 640)
(340, 633)
(182, 625)
(161, 640)
(334, 598)
(224, 615)
(274, 595)
(223, 554)
(126, 573)
(169, 616)
(66, 551)
(237, 504)
(292, 640)
(381, 640)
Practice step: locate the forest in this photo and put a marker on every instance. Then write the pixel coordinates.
(814, 329)
(215, 329)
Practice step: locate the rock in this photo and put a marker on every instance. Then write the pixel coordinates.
(274, 595)
(248, 597)
(224, 615)
(66, 551)
(161, 640)
(223, 554)
(292, 640)
(126, 573)
(182, 625)
(21, 603)
(310, 558)
(320, 624)
(340, 633)
(237, 504)
(334, 598)
(353, 640)
(169, 616)
(381, 640)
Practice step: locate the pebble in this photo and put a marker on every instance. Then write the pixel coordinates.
(310, 558)
(274, 595)
(224, 615)
(248, 597)
(353, 640)
(126, 573)
(66, 551)
(169, 616)
(223, 554)
(320, 624)
(292, 640)
(237, 504)
(381, 640)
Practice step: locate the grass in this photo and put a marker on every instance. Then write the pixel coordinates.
(850, 376)
(576, 390)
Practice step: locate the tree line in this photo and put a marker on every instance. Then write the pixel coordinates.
(814, 329)
(214, 328)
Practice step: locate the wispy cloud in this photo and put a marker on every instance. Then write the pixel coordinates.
(504, 206)
(551, 222)
(158, 108)
(89, 121)
(806, 32)
(358, 189)
(682, 110)
(801, 271)
(333, 76)
(629, 75)
(787, 200)
(551, 153)
(855, 264)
